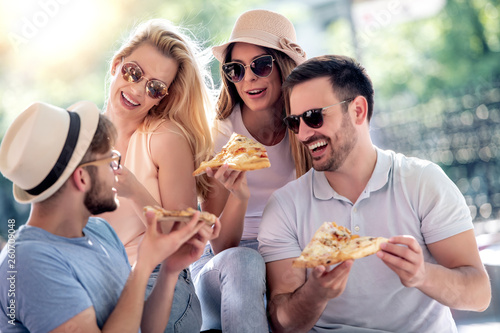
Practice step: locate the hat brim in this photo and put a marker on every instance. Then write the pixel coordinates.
(89, 118)
(219, 51)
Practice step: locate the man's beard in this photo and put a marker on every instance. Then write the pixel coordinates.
(339, 154)
(96, 202)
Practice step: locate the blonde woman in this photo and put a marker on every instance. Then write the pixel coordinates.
(259, 55)
(157, 101)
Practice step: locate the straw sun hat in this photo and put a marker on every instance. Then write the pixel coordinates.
(44, 145)
(264, 28)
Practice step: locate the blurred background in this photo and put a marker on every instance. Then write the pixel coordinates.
(435, 65)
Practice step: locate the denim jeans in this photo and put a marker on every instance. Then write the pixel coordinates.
(231, 287)
(185, 315)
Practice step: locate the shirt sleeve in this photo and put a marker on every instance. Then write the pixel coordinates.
(47, 292)
(442, 209)
(278, 231)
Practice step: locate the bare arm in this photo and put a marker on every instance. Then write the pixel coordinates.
(229, 200)
(173, 157)
(296, 303)
(459, 280)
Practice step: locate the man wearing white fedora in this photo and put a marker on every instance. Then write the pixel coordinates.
(67, 271)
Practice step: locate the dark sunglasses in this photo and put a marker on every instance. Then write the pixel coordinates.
(262, 67)
(312, 118)
(132, 72)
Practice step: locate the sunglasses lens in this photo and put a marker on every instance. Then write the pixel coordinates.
(313, 118)
(293, 123)
(234, 71)
(156, 89)
(262, 66)
(131, 72)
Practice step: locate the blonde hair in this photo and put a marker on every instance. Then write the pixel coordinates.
(189, 99)
(229, 97)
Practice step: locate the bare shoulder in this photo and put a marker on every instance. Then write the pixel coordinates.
(168, 131)
(169, 141)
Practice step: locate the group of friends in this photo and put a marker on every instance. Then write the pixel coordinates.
(89, 260)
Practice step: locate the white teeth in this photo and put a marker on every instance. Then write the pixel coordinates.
(129, 99)
(255, 91)
(317, 145)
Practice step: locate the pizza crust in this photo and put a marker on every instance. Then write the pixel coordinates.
(164, 215)
(332, 244)
(240, 153)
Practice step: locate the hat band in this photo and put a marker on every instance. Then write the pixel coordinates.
(64, 157)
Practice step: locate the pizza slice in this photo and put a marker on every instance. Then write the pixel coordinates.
(332, 244)
(179, 215)
(240, 153)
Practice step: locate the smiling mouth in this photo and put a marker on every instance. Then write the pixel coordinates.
(129, 100)
(317, 145)
(255, 92)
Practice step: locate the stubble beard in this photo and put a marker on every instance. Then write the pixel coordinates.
(338, 156)
(95, 201)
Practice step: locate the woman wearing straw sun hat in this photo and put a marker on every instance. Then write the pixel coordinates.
(262, 50)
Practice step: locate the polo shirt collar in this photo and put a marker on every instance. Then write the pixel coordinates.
(323, 191)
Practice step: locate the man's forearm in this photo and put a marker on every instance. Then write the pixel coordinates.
(462, 288)
(295, 312)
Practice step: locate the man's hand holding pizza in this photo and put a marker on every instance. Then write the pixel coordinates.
(327, 284)
(406, 261)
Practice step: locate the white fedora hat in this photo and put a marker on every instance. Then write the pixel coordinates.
(264, 28)
(44, 145)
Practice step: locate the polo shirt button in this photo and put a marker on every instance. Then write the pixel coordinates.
(356, 228)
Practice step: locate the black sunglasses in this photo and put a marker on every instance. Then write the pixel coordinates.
(312, 118)
(262, 67)
(132, 72)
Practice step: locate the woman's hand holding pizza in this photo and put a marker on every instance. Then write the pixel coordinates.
(406, 261)
(235, 181)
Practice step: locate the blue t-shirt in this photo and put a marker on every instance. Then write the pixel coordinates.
(47, 279)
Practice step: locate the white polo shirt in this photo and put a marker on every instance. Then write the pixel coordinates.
(404, 196)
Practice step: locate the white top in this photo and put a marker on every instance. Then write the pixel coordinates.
(261, 183)
(404, 196)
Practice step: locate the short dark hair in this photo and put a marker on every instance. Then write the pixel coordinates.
(348, 78)
(103, 140)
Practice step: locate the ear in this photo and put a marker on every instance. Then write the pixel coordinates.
(114, 65)
(360, 107)
(81, 179)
